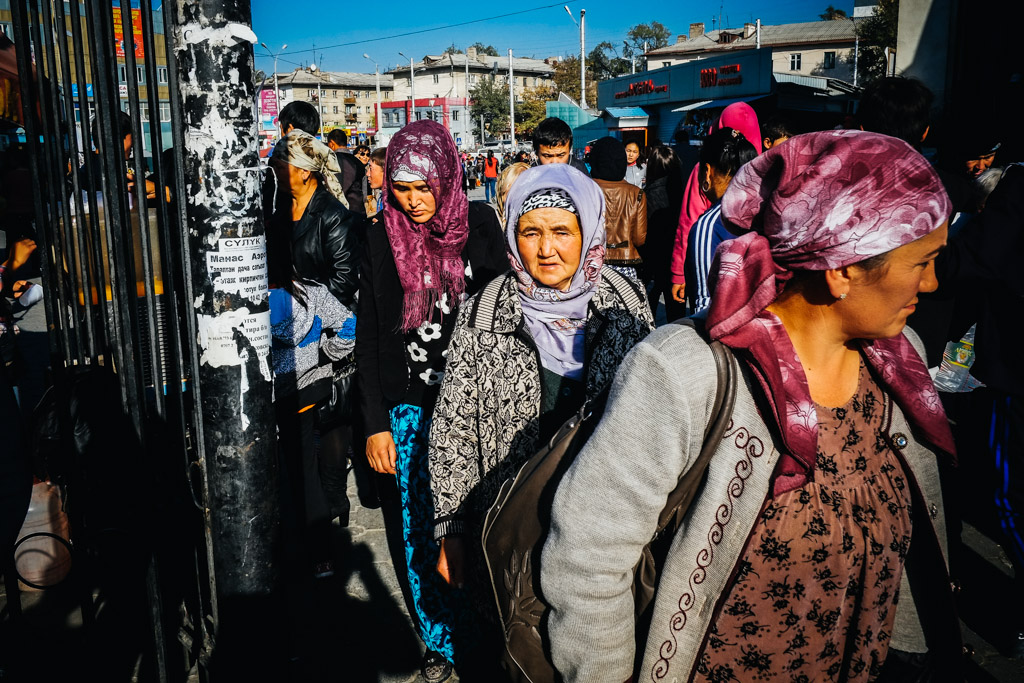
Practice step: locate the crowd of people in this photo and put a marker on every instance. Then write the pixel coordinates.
(436, 344)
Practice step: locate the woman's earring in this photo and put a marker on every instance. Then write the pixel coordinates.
(705, 187)
(842, 296)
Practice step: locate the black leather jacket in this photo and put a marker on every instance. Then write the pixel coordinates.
(327, 245)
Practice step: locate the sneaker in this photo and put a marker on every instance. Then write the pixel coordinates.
(435, 668)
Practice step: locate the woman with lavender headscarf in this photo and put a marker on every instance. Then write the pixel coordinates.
(434, 248)
(816, 548)
(526, 352)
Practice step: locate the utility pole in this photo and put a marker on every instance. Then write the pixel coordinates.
(511, 101)
(469, 120)
(856, 50)
(482, 138)
(376, 72)
(645, 55)
(213, 48)
(412, 90)
(583, 56)
(277, 91)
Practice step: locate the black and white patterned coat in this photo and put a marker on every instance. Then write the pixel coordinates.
(487, 419)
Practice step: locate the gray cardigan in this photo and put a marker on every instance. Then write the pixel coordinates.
(607, 506)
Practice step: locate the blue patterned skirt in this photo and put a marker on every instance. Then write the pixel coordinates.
(444, 614)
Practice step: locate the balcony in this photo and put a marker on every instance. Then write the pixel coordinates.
(350, 100)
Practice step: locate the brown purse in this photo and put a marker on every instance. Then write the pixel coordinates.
(517, 524)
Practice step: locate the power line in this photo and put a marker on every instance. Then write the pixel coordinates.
(438, 28)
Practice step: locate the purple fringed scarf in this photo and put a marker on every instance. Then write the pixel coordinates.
(822, 201)
(428, 256)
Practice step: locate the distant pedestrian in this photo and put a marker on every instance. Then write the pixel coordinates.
(636, 168)
(353, 171)
(490, 176)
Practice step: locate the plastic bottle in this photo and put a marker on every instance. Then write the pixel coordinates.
(43, 560)
(954, 375)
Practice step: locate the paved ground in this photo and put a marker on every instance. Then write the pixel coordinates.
(355, 627)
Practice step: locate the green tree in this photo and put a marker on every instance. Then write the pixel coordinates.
(831, 14)
(482, 49)
(490, 100)
(567, 79)
(604, 62)
(877, 32)
(533, 109)
(655, 34)
(452, 50)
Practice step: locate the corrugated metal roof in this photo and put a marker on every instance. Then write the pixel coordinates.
(809, 32)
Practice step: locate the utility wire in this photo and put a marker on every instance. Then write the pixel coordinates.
(438, 28)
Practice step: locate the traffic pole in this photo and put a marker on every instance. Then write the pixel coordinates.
(213, 46)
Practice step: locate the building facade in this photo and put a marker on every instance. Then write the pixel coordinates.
(161, 116)
(455, 75)
(816, 48)
(345, 100)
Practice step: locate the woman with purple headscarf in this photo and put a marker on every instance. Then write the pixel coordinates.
(816, 548)
(526, 352)
(434, 249)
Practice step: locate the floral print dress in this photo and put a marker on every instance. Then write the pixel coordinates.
(815, 591)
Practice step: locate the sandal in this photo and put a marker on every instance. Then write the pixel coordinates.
(435, 667)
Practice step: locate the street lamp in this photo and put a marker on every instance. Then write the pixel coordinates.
(583, 57)
(412, 88)
(277, 92)
(376, 72)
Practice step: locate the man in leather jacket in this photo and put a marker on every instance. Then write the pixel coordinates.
(626, 217)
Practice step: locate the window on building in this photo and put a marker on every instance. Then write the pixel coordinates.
(794, 61)
(455, 115)
(666, 64)
(143, 112)
(7, 29)
(165, 111)
(335, 109)
(122, 73)
(437, 78)
(472, 78)
(536, 82)
(524, 82)
(830, 60)
(161, 74)
(140, 72)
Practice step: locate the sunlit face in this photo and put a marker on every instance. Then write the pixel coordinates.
(554, 154)
(632, 152)
(415, 200)
(363, 156)
(975, 167)
(376, 176)
(550, 243)
(877, 307)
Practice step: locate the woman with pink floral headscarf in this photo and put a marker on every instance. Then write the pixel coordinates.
(434, 249)
(816, 547)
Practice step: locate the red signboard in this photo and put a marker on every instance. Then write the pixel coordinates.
(720, 75)
(641, 88)
(136, 33)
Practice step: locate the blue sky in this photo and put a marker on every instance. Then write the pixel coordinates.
(546, 32)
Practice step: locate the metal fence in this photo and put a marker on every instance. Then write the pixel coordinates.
(116, 266)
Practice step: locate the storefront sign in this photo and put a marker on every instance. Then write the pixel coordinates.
(136, 33)
(641, 88)
(720, 75)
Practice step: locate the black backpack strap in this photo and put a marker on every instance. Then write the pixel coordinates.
(626, 289)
